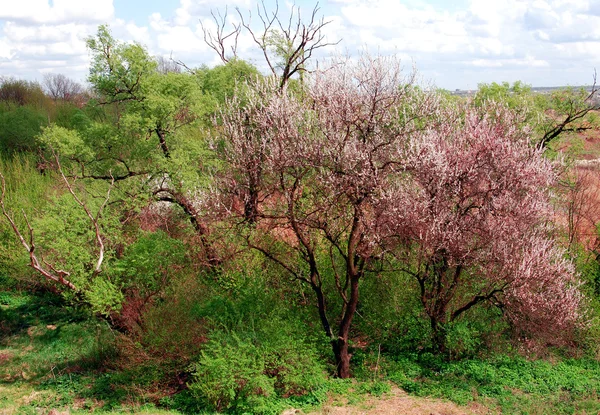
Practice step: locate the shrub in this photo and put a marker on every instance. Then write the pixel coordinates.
(241, 374)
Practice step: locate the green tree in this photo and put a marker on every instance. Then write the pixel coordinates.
(548, 115)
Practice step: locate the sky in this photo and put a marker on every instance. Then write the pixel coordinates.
(453, 44)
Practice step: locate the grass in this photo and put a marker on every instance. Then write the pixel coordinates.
(511, 384)
(54, 357)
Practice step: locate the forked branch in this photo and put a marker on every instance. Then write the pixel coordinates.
(52, 274)
(217, 40)
(575, 112)
(93, 219)
(287, 44)
(42, 266)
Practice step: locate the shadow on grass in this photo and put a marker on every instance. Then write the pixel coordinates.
(57, 349)
(18, 312)
(69, 358)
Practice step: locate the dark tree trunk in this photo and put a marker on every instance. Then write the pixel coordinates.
(343, 354)
(163, 142)
(252, 198)
(251, 206)
(438, 336)
(201, 228)
(339, 345)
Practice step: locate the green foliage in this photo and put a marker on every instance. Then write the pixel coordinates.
(222, 81)
(237, 334)
(162, 334)
(149, 262)
(67, 143)
(229, 373)
(394, 320)
(65, 237)
(258, 354)
(19, 92)
(166, 102)
(71, 117)
(151, 123)
(117, 68)
(104, 296)
(18, 128)
(26, 192)
(516, 384)
(395, 317)
(517, 96)
(245, 375)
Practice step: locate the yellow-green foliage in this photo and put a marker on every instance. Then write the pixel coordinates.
(27, 192)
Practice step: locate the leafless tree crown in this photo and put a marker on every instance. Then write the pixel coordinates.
(287, 44)
(167, 65)
(59, 87)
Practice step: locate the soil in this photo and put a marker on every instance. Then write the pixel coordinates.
(399, 402)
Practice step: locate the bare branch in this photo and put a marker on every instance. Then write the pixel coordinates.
(286, 44)
(182, 64)
(217, 41)
(93, 219)
(52, 274)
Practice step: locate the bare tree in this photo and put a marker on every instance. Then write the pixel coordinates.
(217, 40)
(165, 66)
(579, 203)
(59, 87)
(287, 44)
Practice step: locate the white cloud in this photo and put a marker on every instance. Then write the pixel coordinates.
(538, 41)
(5, 50)
(528, 62)
(137, 33)
(58, 11)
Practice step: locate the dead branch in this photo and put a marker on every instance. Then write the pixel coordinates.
(93, 219)
(291, 40)
(53, 274)
(218, 40)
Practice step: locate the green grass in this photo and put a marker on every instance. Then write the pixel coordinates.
(53, 356)
(514, 385)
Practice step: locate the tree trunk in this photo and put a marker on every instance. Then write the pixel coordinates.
(340, 344)
(341, 347)
(163, 142)
(342, 359)
(438, 336)
(251, 201)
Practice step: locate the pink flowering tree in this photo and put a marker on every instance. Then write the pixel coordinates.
(307, 167)
(471, 226)
(359, 164)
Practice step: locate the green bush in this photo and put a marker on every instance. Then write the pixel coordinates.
(515, 384)
(254, 374)
(18, 128)
(260, 354)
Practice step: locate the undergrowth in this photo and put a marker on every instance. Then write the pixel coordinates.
(510, 384)
(55, 356)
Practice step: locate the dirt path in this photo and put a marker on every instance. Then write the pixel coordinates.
(398, 402)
